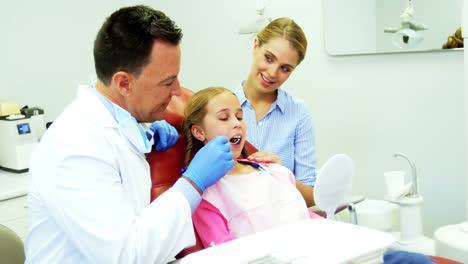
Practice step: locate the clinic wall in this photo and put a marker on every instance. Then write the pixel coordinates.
(367, 106)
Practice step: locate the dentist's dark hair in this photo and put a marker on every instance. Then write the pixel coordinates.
(194, 113)
(126, 38)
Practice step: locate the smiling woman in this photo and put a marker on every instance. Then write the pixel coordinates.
(278, 49)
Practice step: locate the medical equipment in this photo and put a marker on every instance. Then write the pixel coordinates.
(262, 21)
(411, 237)
(19, 135)
(451, 241)
(333, 183)
(258, 165)
(36, 116)
(9, 108)
(406, 36)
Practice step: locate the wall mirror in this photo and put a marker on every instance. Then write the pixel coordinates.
(357, 26)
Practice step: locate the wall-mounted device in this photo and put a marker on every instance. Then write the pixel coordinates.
(407, 34)
(263, 19)
(19, 135)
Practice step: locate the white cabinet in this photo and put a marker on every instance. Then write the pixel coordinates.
(13, 201)
(14, 215)
(13, 184)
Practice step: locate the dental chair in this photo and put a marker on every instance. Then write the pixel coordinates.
(165, 166)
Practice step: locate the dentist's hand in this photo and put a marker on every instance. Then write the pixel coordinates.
(165, 135)
(210, 163)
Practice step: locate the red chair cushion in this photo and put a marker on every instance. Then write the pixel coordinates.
(165, 166)
(442, 260)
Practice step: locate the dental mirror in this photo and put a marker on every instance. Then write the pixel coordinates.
(333, 183)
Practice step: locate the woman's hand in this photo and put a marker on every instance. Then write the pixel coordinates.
(267, 157)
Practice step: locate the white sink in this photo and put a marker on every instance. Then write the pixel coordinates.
(12, 184)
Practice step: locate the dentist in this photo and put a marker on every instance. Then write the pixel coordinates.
(89, 195)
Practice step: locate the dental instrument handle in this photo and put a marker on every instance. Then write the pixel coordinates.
(352, 214)
(413, 172)
(330, 214)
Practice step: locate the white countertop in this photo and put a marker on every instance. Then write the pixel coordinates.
(13, 184)
(306, 241)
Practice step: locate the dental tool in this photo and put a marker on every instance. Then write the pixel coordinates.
(253, 163)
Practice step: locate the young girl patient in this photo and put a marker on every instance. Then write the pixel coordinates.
(250, 197)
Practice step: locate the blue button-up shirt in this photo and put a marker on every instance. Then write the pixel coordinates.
(286, 130)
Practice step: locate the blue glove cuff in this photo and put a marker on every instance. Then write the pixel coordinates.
(195, 179)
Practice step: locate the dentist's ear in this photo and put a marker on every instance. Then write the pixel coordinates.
(121, 80)
(198, 133)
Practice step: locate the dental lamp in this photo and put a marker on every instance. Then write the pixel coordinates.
(262, 21)
(407, 35)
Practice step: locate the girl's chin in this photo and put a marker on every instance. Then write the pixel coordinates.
(236, 153)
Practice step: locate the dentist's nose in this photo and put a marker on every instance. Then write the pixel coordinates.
(176, 90)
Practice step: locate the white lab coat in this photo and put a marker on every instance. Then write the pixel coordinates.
(89, 196)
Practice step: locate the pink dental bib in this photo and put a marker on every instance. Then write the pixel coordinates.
(258, 201)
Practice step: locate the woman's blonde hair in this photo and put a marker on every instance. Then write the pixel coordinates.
(194, 112)
(288, 29)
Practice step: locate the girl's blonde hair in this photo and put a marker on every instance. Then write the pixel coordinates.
(194, 112)
(286, 28)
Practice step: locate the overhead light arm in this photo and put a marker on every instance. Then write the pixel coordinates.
(406, 35)
(262, 20)
(406, 20)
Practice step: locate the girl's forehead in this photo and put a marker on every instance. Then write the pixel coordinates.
(224, 96)
(223, 100)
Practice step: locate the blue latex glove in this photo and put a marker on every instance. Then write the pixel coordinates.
(210, 163)
(165, 135)
(405, 257)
